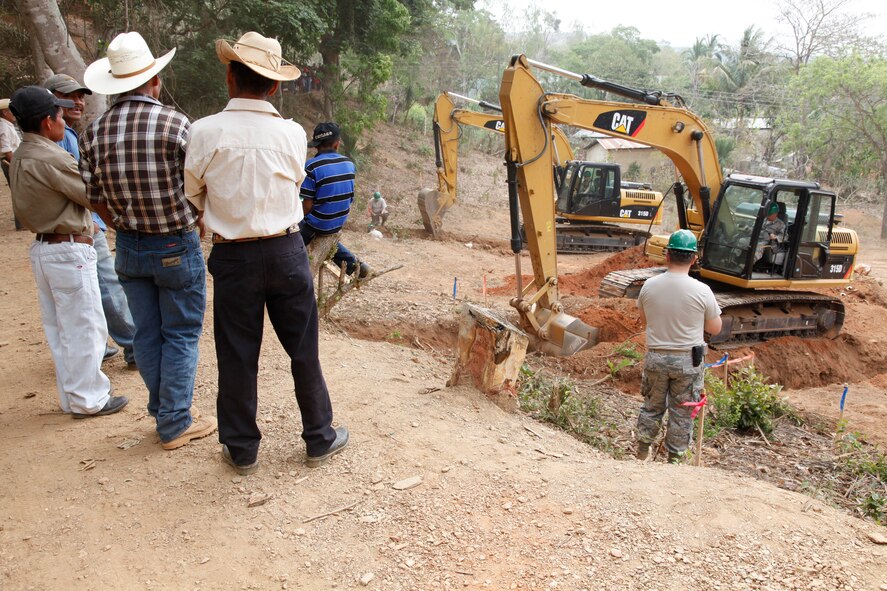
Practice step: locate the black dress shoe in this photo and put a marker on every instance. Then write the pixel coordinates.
(338, 445)
(110, 351)
(242, 469)
(114, 404)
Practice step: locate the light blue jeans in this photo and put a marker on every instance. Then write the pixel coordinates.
(120, 324)
(164, 278)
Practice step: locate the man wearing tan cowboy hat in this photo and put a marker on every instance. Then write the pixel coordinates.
(117, 316)
(243, 171)
(50, 199)
(132, 159)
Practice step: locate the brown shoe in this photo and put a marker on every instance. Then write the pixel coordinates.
(199, 428)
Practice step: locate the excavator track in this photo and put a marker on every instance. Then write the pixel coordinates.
(582, 238)
(750, 317)
(585, 238)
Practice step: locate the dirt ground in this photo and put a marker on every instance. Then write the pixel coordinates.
(502, 502)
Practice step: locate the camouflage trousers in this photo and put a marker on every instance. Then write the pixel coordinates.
(669, 381)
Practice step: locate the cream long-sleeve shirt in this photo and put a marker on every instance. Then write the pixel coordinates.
(243, 169)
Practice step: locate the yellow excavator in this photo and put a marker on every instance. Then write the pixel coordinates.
(591, 196)
(754, 280)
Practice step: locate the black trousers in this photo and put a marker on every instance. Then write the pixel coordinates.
(248, 277)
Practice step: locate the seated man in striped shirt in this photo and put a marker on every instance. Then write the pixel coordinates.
(327, 193)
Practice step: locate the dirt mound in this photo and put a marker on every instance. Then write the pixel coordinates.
(587, 282)
(865, 289)
(617, 319)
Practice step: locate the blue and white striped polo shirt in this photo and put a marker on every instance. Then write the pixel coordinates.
(329, 181)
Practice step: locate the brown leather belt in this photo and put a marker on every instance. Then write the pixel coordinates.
(217, 239)
(59, 238)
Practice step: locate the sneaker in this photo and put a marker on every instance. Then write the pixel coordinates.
(338, 445)
(643, 451)
(200, 427)
(242, 469)
(110, 351)
(114, 404)
(365, 270)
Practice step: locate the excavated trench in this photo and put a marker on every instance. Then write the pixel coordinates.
(858, 354)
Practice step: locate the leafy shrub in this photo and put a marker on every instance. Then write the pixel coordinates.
(417, 116)
(558, 401)
(750, 403)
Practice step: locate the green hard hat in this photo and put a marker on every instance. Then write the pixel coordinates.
(683, 240)
(377, 195)
(774, 208)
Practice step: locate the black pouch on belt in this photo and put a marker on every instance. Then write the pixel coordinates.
(698, 353)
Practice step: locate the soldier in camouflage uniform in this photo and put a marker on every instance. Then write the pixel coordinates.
(772, 231)
(676, 310)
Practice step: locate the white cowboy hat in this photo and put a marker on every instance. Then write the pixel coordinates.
(259, 54)
(129, 65)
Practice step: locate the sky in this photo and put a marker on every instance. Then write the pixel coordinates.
(678, 23)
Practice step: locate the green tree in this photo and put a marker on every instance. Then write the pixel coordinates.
(619, 56)
(840, 124)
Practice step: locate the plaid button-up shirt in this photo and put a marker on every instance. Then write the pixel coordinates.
(132, 159)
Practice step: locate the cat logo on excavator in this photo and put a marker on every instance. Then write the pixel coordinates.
(625, 121)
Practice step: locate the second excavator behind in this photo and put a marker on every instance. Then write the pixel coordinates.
(591, 197)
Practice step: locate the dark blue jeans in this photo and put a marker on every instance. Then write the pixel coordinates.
(164, 278)
(247, 278)
(343, 255)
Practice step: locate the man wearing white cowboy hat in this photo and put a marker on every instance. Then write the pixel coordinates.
(132, 159)
(243, 171)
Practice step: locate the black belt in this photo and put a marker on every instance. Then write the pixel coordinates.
(218, 239)
(671, 351)
(178, 232)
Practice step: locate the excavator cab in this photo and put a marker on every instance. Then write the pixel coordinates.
(589, 189)
(772, 229)
(595, 189)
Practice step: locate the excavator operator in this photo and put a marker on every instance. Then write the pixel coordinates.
(772, 232)
(677, 310)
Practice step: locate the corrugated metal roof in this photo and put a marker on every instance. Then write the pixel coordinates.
(613, 143)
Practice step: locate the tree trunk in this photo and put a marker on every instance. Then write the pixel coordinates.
(883, 185)
(41, 70)
(57, 49)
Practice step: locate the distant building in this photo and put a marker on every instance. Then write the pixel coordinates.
(598, 147)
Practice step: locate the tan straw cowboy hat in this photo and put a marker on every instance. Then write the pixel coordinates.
(128, 66)
(259, 54)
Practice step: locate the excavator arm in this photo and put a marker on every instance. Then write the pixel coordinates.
(530, 115)
(447, 124)
(659, 121)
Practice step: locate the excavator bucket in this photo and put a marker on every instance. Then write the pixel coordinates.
(432, 205)
(561, 334)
